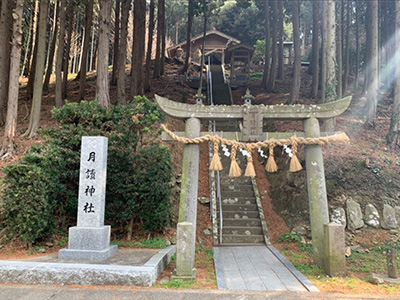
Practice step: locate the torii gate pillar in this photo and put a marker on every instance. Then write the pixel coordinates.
(188, 197)
(316, 188)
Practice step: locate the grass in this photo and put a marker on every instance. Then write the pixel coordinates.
(153, 243)
(178, 284)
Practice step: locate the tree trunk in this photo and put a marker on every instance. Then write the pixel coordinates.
(267, 45)
(373, 64)
(157, 63)
(295, 88)
(150, 47)
(272, 71)
(339, 39)
(116, 43)
(52, 48)
(347, 52)
(38, 83)
(13, 89)
(163, 38)
(188, 36)
(324, 34)
(203, 46)
(102, 86)
(32, 69)
(70, 12)
(5, 34)
(367, 59)
(330, 60)
(139, 19)
(59, 55)
(315, 51)
(121, 76)
(31, 53)
(85, 48)
(281, 66)
(357, 71)
(393, 134)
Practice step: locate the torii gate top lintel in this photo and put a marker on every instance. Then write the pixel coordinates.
(224, 112)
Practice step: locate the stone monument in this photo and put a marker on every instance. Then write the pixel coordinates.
(90, 239)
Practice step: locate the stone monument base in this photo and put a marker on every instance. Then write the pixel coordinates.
(184, 277)
(88, 243)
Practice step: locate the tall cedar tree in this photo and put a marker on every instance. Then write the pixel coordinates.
(59, 55)
(281, 66)
(295, 88)
(339, 39)
(139, 27)
(121, 76)
(159, 55)
(102, 84)
(330, 57)
(117, 29)
(315, 51)
(357, 33)
(52, 47)
(39, 68)
(32, 61)
(347, 48)
(85, 48)
(10, 129)
(372, 64)
(393, 134)
(70, 27)
(32, 34)
(267, 45)
(272, 71)
(188, 36)
(163, 37)
(149, 47)
(5, 33)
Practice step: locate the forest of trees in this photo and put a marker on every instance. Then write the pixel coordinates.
(351, 47)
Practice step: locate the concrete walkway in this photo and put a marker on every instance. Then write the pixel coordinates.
(51, 292)
(258, 268)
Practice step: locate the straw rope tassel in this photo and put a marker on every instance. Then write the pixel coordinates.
(250, 172)
(271, 164)
(295, 165)
(235, 170)
(216, 161)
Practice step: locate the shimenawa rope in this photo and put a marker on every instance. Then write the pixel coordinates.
(271, 166)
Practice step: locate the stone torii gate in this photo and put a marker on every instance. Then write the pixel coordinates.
(252, 130)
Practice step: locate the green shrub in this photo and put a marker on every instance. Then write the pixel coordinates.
(41, 190)
(26, 206)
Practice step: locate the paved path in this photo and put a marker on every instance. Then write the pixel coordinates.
(52, 292)
(257, 268)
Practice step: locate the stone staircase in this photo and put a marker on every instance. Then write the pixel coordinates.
(241, 222)
(221, 91)
(240, 216)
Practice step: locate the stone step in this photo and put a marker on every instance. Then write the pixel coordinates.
(238, 230)
(239, 200)
(240, 214)
(237, 187)
(239, 207)
(240, 222)
(242, 239)
(236, 180)
(231, 194)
